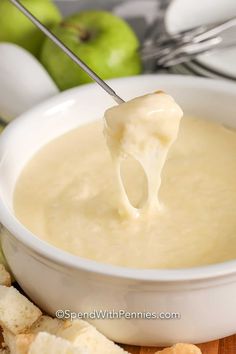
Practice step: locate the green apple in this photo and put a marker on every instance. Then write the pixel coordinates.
(103, 41)
(16, 28)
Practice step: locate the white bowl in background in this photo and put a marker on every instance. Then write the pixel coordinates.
(24, 82)
(204, 296)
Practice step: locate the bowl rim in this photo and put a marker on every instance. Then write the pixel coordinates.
(63, 258)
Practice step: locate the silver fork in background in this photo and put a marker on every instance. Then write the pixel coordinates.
(186, 56)
(181, 47)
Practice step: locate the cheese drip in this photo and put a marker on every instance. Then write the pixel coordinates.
(143, 129)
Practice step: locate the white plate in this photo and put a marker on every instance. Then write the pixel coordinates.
(184, 14)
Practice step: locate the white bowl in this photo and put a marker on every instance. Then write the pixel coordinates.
(24, 82)
(204, 296)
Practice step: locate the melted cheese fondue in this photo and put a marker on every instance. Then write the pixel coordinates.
(144, 129)
(70, 192)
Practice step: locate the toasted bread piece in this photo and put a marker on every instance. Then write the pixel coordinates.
(181, 348)
(47, 324)
(17, 313)
(82, 333)
(77, 332)
(18, 344)
(5, 278)
(4, 351)
(45, 343)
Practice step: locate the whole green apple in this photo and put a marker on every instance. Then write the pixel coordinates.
(103, 41)
(16, 28)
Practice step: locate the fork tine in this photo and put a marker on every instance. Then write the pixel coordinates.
(189, 50)
(187, 44)
(217, 29)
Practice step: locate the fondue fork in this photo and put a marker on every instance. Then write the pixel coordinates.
(67, 51)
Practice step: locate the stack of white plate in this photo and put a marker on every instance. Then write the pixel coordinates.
(184, 14)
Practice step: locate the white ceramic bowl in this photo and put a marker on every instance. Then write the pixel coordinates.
(204, 296)
(24, 83)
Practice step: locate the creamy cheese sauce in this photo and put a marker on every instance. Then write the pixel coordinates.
(68, 195)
